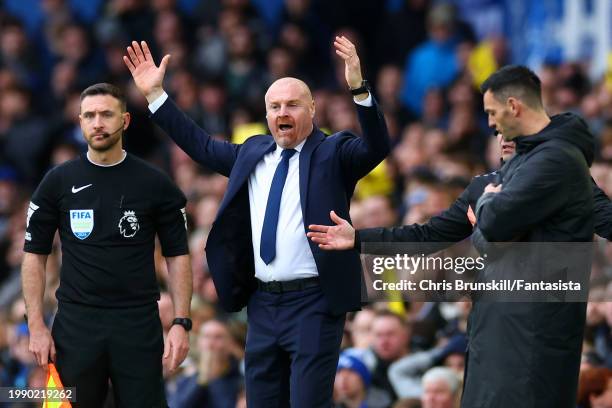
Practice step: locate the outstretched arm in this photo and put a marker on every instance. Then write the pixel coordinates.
(453, 225)
(337, 237)
(352, 66)
(359, 155)
(196, 142)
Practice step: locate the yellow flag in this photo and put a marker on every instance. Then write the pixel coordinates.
(54, 382)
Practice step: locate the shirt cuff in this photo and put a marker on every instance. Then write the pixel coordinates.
(366, 102)
(156, 104)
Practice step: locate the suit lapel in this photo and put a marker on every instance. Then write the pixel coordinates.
(315, 138)
(246, 163)
(243, 168)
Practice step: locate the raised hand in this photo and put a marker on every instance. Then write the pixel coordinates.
(147, 76)
(352, 67)
(333, 237)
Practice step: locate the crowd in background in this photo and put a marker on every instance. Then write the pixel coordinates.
(425, 64)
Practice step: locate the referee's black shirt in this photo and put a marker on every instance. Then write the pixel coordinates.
(107, 218)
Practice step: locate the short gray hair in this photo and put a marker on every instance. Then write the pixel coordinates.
(442, 373)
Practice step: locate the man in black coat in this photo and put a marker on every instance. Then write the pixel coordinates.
(545, 195)
(520, 354)
(453, 225)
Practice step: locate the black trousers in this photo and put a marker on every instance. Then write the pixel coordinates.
(292, 350)
(123, 345)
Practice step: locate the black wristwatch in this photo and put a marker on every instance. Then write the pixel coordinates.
(363, 88)
(183, 321)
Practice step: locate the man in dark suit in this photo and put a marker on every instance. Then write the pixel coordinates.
(257, 250)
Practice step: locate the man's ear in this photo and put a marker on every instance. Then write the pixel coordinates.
(514, 105)
(126, 120)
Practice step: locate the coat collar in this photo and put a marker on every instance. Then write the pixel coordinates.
(247, 161)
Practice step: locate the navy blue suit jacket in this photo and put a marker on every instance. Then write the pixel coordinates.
(329, 169)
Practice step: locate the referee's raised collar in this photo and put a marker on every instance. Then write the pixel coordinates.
(106, 165)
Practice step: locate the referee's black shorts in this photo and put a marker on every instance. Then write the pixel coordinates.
(124, 345)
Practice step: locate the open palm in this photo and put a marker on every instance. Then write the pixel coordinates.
(333, 237)
(352, 67)
(147, 76)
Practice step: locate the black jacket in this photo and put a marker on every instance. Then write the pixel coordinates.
(509, 341)
(453, 225)
(547, 194)
(528, 354)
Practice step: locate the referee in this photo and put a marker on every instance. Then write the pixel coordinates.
(108, 206)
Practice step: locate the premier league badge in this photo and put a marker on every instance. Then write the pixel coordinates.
(81, 223)
(128, 224)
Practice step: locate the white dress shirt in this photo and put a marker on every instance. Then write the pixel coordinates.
(294, 259)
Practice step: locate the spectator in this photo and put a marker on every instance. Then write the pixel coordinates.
(405, 374)
(390, 342)
(24, 136)
(595, 388)
(217, 380)
(440, 389)
(281, 63)
(213, 103)
(377, 211)
(351, 384)
(16, 53)
(76, 46)
(409, 24)
(438, 54)
(21, 362)
(361, 329)
(244, 77)
(388, 86)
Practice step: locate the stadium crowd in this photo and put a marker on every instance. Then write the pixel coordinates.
(425, 65)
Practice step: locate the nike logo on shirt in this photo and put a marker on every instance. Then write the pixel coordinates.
(76, 190)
